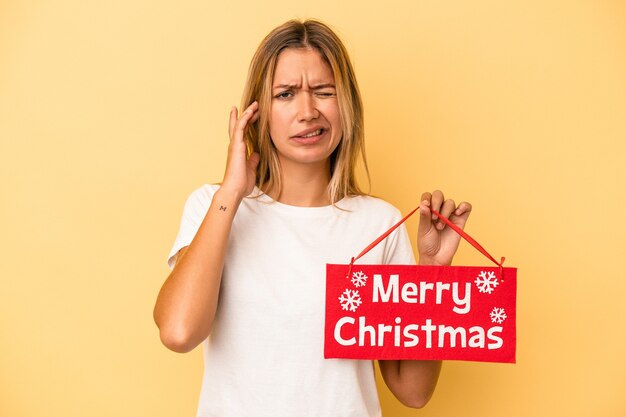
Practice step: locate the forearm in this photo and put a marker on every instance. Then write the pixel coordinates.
(187, 302)
(412, 382)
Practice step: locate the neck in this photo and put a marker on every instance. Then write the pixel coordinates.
(303, 185)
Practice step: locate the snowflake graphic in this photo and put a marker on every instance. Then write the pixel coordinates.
(359, 279)
(350, 300)
(497, 315)
(486, 282)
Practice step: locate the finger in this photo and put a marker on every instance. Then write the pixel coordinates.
(255, 116)
(251, 109)
(446, 210)
(425, 204)
(463, 208)
(232, 122)
(436, 203)
(253, 106)
(461, 214)
(246, 116)
(426, 222)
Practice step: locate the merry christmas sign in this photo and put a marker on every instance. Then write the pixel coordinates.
(420, 312)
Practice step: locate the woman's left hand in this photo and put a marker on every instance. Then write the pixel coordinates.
(436, 242)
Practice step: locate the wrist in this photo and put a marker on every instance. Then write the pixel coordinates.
(228, 197)
(427, 260)
(231, 193)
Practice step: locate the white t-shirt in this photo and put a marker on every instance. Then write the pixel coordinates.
(264, 356)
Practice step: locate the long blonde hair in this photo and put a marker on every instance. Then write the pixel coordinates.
(316, 35)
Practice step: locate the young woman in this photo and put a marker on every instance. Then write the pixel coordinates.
(248, 263)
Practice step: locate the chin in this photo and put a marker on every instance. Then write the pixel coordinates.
(307, 159)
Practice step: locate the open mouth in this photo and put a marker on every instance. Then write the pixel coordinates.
(310, 138)
(311, 135)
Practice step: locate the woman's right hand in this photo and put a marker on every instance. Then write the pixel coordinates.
(240, 175)
(187, 303)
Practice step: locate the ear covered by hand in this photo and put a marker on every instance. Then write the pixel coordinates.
(240, 175)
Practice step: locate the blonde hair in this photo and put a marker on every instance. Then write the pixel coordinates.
(315, 35)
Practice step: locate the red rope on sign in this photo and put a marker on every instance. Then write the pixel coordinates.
(443, 219)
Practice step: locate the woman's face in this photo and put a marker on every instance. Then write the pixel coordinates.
(304, 120)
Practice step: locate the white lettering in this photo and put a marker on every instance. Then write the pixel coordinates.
(498, 340)
(429, 328)
(374, 335)
(382, 329)
(409, 335)
(396, 332)
(363, 328)
(452, 332)
(477, 340)
(461, 302)
(338, 338)
(391, 292)
(409, 292)
(423, 287)
(440, 287)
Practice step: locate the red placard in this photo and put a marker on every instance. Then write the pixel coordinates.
(420, 312)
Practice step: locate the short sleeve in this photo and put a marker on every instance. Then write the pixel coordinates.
(195, 210)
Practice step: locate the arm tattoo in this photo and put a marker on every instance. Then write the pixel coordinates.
(222, 208)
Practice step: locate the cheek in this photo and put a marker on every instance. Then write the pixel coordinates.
(278, 121)
(334, 117)
(337, 127)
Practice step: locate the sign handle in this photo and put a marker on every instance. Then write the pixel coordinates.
(453, 226)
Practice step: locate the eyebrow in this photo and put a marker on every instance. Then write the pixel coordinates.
(297, 86)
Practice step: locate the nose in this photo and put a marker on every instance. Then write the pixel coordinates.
(307, 109)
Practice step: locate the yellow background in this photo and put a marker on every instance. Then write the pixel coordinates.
(111, 113)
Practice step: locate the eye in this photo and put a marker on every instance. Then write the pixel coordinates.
(284, 95)
(326, 94)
